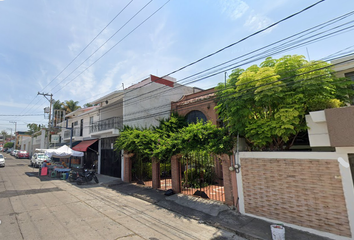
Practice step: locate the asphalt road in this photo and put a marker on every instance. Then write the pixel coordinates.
(36, 208)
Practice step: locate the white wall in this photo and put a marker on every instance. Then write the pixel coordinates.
(114, 109)
(152, 100)
(318, 131)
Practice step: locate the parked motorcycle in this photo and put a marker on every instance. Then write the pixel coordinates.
(83, 176)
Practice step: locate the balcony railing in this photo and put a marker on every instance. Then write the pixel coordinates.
(109, 123)
(76, 133)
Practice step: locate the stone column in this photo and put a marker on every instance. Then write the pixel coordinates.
(127, 167)
(156, 183)
(176, 174)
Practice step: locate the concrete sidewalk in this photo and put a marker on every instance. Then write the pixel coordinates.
(205, 211)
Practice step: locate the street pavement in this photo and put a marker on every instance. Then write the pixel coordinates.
(33, 207)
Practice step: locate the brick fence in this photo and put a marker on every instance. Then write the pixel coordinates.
(304, 192)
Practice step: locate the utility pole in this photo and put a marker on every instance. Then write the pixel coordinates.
(15, 124)
(50, 111)
(15, 133)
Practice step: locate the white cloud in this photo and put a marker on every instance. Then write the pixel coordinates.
(234, 8)
(256, 22)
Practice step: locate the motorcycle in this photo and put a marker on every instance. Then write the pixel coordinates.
(83, 176)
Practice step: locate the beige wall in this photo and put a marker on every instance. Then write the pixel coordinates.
(309, 191)
(340, 126)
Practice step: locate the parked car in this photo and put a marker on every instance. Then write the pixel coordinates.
(16, 153)
(13, 153)
(38, 158)
(9, 150)
(22, 154)
(2, 160)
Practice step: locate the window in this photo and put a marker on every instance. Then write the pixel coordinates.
(350, 75)
(91, 120)
(194, 116)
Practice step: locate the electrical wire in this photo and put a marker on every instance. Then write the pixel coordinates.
(160, 113)
(82, 51)
(258, 31)
(230, 67)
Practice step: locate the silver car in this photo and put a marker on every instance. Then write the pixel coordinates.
(2, 160)
(38, 158)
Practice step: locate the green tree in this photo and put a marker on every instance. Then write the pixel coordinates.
(70, 106)
(9, 145)
(88, 105)
(267, 104)
(33, 128)
(5, 134)
(58, 105)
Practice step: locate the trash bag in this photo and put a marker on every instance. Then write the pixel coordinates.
(169, 192)
(278, 231)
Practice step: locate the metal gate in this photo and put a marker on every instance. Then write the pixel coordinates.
(165, 175)
(202, 176)
(111, 161)
(141, 170)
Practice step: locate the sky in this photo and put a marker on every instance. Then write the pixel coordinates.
(82, 50)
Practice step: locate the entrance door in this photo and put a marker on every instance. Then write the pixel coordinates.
(111, 161)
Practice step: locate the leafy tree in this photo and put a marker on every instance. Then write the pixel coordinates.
(9, 145)
(58, 105)
(267, 104)
(33, 128)
(70, 106)
(5, 134)
(88, 105)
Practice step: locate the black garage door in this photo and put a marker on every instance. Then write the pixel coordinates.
(111, 161)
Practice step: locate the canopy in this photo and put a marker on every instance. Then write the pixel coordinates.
(82, 147)
(63, 152)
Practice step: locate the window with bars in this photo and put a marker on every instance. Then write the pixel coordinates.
(195, 116)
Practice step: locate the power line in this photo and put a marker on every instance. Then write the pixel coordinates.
(230, 96)
(83, 50)
(241, 39)
(218, 51)
(100, 48)
(230, 67)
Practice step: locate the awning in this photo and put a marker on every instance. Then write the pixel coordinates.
(82, 147)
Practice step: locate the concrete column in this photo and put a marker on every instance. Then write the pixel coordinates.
(42, 138)
(226, 163)
(156, 183)
(176, 174)
(127, 167)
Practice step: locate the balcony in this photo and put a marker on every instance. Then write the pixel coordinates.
(107, 124)
(76, 133)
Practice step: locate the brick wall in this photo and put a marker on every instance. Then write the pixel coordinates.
(127, 167)
(304, 192)
(156, 183)
(176, 174)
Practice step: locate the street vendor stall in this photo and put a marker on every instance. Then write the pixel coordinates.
(56, 169)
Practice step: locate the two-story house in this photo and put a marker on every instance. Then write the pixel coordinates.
(75, 131)
(141, 105)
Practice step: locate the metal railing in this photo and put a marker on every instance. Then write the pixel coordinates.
(76, 133)
(106, 124)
